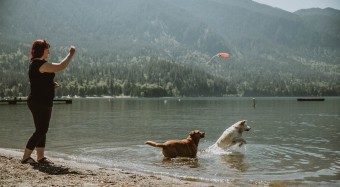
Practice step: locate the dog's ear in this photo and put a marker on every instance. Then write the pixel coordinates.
(241, 124)
(193, 132)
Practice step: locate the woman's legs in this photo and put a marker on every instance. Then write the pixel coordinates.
(27, 154)
(40, 152)
(41, 116)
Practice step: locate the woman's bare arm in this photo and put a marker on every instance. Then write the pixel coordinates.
(56, 67)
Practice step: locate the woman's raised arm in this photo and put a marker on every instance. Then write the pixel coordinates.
(56, 67)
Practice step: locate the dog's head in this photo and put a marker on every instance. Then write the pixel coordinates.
(196, 135)
(242, 126)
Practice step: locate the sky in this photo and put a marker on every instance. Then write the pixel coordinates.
(294, 5)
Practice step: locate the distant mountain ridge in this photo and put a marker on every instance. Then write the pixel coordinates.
(264, 42)
(323, 20)
(206, 25)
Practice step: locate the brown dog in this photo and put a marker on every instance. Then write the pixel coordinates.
(180, 148)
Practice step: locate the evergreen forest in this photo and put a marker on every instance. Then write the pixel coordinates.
(160, 48)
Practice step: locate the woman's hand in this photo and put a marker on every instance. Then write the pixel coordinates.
(72, 50)
(56, 85)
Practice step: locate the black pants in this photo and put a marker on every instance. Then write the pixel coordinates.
(41, 116)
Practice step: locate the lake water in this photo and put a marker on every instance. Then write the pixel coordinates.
(291, 142)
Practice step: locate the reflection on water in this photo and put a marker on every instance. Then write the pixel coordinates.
(181, 162)
(289, 140)
(232, 157)
(234, 161)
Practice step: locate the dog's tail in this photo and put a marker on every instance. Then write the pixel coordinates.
(154, 144)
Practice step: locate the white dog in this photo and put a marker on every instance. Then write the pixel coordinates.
(232, 135)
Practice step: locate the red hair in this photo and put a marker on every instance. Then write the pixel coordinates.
(38, 48)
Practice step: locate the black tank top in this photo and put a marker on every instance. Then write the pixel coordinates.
(42, 84)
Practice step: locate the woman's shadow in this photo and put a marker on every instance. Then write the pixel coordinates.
(54, 169)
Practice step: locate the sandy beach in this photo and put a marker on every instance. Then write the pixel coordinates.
(67, 173)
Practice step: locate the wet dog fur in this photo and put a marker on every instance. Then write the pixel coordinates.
(232, 135)
(180, 148)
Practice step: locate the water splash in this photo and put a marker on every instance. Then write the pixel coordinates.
(233, 150)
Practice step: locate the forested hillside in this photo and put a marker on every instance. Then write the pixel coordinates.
(142, 77)
(158, 48)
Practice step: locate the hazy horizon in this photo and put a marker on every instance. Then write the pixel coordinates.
(293, 5)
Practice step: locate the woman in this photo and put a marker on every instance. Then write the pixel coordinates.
(40, 101)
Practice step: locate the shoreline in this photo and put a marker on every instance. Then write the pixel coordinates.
(68, 173)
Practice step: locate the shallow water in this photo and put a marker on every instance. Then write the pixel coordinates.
(289, 141)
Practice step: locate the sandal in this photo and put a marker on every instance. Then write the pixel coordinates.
(45, 161)
(29, 160)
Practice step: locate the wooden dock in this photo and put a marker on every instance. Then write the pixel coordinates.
(15, 101)
(310, 99)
